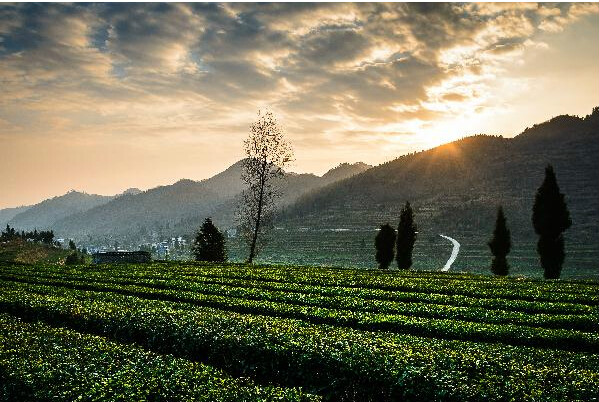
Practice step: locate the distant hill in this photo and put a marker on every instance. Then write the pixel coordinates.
(8, 213)
(45, 214)
(131, 191)
(456, 188)
(344, 171)
(181, 207)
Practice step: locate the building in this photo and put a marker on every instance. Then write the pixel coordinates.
(116, 257)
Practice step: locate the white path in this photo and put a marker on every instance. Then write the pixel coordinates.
(454, 252)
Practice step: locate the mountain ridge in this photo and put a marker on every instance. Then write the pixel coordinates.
(178, 208)
(455, 189)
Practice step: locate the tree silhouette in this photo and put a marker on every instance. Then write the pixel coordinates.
(75, 258)
(384, 242)
(550, 218)
(406, 237)
(209, 244)
(72, 245)
(267, 154)
(500, 245)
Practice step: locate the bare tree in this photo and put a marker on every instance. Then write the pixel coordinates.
(267, 153)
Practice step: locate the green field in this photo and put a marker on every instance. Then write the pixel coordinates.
(183, 332)
(355, 248)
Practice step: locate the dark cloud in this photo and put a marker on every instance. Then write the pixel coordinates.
(360, 61)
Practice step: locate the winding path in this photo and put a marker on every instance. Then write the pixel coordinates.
(454, 253)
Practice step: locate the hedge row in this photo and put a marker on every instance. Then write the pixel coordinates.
(41, 363)
(437, 328)
(511, 289)
(337, 363)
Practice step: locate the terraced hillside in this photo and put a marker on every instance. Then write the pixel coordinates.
(234, 332)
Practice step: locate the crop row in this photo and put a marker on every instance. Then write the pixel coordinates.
(526, 290)
(42, 363)
(338, 363)
(436, 328)
(168, 280)
(227, 297)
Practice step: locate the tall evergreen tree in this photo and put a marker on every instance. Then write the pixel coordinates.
(406, 237)
(384, 242)
(209, 244)
(500, 245)
(550, 218)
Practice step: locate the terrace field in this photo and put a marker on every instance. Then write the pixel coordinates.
(186, 331)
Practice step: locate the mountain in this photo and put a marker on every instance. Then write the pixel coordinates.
(7, 214)
(45, 214)
(131, 191)
(343, 171)
(179, 209)
(456, 188)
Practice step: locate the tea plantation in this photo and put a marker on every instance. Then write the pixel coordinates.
(191, 332)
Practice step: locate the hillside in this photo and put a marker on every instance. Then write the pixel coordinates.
(343, 171)
(19, 251)
(45, 214)
(7, 214)
(455, 189)
(181, 207)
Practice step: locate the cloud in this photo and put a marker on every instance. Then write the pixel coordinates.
(154, 70)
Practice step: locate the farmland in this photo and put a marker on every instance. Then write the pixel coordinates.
(184, 331)
(353, 247)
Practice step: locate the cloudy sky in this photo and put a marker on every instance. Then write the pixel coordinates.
(102, 97)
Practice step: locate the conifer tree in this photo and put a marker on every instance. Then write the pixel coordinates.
(209, 244)
(406, 237)
(500, 245)
(550, 218)
(384, 243)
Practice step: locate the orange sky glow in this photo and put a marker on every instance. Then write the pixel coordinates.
(103, 97)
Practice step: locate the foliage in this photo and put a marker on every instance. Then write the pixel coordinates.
(406, 237)
(209, 244)
(550, 218)
(267, 153)
(500, 245)
(44, 236)
(384, 244)
(38, 362)
(350, 335)
(75, 258)
(29, 252)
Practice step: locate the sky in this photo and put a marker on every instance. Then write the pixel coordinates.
(103, 97)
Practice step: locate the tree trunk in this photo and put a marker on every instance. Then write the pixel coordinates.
(260, 201)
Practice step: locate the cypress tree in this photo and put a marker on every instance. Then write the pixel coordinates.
(384, 243)
(500, 245)
(550, 218)
(209, 244)
(406, 237)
